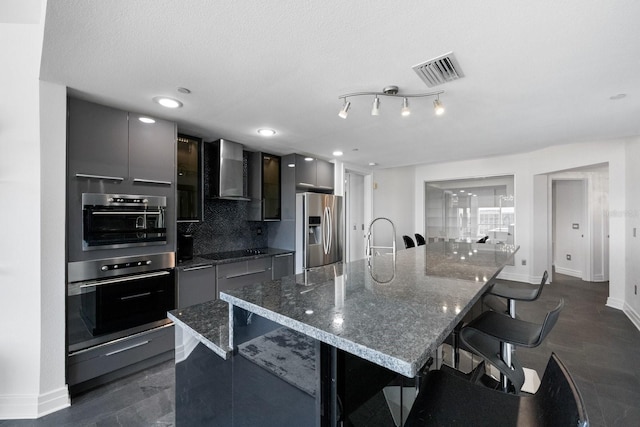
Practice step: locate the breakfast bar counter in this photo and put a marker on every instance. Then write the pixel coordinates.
(333, 332)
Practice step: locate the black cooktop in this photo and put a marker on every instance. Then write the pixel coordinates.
(221, 256)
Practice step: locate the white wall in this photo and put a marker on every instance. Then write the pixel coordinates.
(632, 214)
(393, 198)
(32, 263)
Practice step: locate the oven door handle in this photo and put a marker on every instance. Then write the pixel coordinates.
(126, 213)
(94, 284)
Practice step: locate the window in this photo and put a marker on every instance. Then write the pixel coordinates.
(470, 210)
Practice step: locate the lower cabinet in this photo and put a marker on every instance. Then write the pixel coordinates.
(113, 358)
(239, 274)
(282, 265)
(196, 285)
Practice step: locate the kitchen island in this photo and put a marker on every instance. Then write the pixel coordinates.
(312, 348)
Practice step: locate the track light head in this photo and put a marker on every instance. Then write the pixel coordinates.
(345, 109)
(438, 107)
(405, 111)
(375, 111)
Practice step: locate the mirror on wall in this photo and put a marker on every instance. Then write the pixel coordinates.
(471, 210)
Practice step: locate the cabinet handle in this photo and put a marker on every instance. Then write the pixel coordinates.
(306, 184)
(200, 267)
(110, 178)
(144, 294)
(245, 274)
(324, 187)
(131, 347)
(150, 181)
(123, 279)
(281, 255)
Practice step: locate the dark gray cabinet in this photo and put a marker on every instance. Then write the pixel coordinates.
(196, 285)
(105, 143)
(152, 151)
(121, 357)
(98, 141)
(282, 265)
(239, 274)
(264, 187)
(313, 174)
(189, 179)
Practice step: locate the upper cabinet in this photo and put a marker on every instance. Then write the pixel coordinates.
(313, 174)
(189, 180)
(152, 151)
(106, 143)
(98, 141)
(264, 187)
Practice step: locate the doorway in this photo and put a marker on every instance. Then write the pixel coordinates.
(578, 223)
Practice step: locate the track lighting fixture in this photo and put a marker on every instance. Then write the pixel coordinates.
(391, 91)
(405, 107)
(345, 109)
(375, 111)
(438, 107)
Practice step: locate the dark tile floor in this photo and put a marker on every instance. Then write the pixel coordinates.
(598, 344)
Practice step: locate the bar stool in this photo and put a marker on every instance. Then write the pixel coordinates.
(514, 291)
(420, 240)
(446, 399)
(492, 330)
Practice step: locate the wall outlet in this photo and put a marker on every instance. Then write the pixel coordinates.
(568, 257)
(524, 262)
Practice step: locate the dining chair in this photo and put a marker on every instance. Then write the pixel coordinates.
(408, 242)
(446, 399)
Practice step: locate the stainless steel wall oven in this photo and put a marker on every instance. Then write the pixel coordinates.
(111, 221)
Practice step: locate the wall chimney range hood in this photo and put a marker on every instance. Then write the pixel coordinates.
(226, 180)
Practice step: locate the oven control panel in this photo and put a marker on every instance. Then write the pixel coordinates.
(111, 267)
(125, 265)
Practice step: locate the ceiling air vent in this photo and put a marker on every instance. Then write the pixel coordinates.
(439, 70)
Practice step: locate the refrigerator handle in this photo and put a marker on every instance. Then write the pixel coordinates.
(330, 230)
(325, 224)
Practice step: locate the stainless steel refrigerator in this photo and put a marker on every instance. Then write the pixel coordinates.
(319, 230)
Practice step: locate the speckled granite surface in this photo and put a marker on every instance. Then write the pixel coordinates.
(208, 322)
(393, 314)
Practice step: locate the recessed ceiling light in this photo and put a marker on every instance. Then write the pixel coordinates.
(266, 132)
(308, 159)
(167, 102)
(373, 164)
(618, 96)
(184, 90)
(148, 120)
(337, 153)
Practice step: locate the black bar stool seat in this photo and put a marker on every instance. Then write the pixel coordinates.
(518, 291)
(515, 331)
(447, 400)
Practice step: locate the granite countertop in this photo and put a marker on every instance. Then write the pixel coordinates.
(394, 314)
(230, 257)
(208, 322)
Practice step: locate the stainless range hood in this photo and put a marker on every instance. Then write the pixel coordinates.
(226, 180)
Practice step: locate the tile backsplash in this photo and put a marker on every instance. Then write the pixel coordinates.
(225, 228)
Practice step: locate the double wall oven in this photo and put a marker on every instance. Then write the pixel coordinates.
(121, 281)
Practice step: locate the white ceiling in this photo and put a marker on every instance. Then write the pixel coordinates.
(537, 73)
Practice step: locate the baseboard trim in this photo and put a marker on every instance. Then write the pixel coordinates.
(17, 407)
(615, 303)
(569, 272)
(632, 315)
(515, 277)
